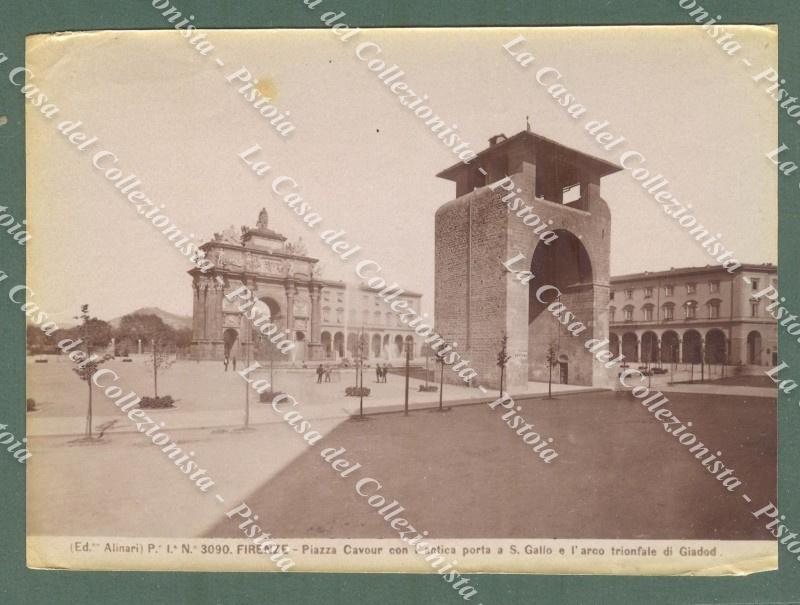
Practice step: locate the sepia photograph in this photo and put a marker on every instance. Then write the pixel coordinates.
(434, 300)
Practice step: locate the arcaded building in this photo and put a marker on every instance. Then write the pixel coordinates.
(325, 319)
(478, 299)
(694, 315)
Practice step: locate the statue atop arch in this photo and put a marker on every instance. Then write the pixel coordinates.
(229, 236)
(298, 247)
(263, 220)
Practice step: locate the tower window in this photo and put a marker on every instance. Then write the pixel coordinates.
(572, 193)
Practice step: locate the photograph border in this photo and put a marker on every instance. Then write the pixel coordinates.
(21, 585)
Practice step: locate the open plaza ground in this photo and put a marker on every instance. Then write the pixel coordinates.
(459, 474)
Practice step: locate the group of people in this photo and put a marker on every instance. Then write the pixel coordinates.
(381, 372)
(323, 372)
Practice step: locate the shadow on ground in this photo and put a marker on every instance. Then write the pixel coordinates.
(466, 474)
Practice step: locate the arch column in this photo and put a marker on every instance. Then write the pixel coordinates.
(244, 344)
(315, 346)
(290, 293)
(198, 317)
(217, 310)
(208, 310)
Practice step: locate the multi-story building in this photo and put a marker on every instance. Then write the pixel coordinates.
(694, 314)
(355, 312)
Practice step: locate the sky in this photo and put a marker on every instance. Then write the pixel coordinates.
(363, 161)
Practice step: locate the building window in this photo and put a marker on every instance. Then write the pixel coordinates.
(611, 296)
(628, 313)
(753, 309)
(629, 293)
(713, 309)
(754, 284)
(669, 311)
(339, 315)
(669, 290)
(611, 312)
(690, 310)
(326, 314)
(648, 292)
(691, 288)
(648, 312)
(713, 286)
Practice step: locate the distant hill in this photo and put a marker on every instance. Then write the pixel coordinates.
(175, 321)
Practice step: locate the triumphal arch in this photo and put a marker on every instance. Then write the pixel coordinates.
(281, 277)
(527, 215)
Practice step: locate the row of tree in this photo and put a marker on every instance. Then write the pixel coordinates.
(97, 334)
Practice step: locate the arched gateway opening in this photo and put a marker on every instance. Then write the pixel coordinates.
(229, 337)
(562, 274)
(265, 325)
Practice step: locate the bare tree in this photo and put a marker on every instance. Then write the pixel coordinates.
(551, 359)
(502, 360)
(88, 367)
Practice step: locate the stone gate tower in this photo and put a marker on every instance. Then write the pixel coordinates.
(531, 198)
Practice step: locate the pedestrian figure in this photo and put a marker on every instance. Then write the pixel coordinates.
(234, 363)
(320, 372)
(225, 362)
(327, 374)
(378, 374)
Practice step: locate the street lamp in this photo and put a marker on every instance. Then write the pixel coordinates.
(440, 361)
(246, 344)
(360, 376)
(702, 359)
(409, 346)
